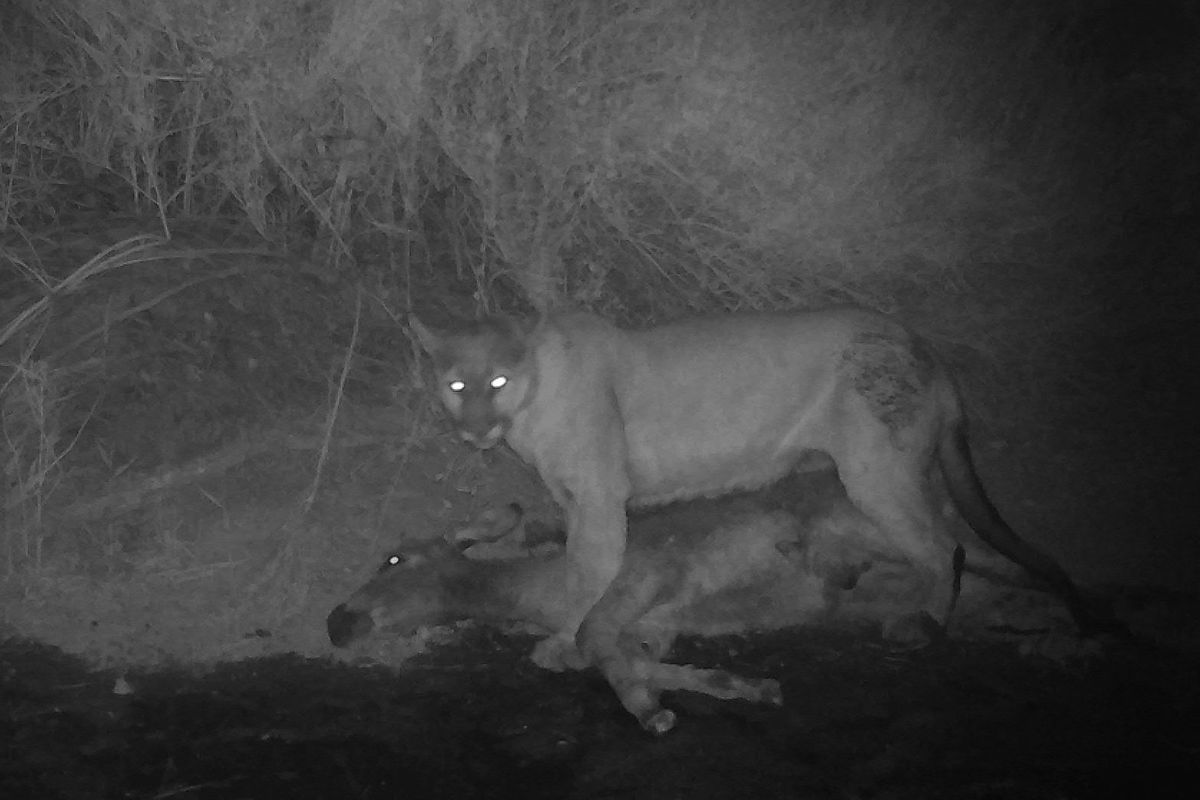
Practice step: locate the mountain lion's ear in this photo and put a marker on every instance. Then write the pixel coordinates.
(538, 323)
(430, 338)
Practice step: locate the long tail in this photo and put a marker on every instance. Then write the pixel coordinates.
(962, 481)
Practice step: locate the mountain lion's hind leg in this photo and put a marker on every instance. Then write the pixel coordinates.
(888, 420)
(895, 497)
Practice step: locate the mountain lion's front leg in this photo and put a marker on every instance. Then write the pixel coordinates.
(596, 530)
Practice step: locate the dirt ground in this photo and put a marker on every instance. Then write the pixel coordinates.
(476, 719)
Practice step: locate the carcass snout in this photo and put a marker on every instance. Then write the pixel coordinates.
(346, 626)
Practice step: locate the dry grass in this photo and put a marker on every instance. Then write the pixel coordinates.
(146, 355)
(715, 153)
(642, 159)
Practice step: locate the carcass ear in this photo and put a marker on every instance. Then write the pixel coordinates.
(490, 526)
(503, 521)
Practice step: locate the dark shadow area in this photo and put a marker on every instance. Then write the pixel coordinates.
(476, 719)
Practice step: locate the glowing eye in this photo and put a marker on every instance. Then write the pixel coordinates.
(499, 381)
(457, 386)
(392, 561)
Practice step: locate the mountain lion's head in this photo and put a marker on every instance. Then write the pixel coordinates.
(484, 374)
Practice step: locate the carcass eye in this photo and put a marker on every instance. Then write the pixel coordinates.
(395, 560)
(457, 386)
(499, 381)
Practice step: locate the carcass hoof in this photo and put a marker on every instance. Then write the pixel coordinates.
(660, 721)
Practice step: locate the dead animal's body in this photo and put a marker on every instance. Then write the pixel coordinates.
(705, 568)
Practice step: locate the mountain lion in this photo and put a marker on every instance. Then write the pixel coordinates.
(704, 406)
